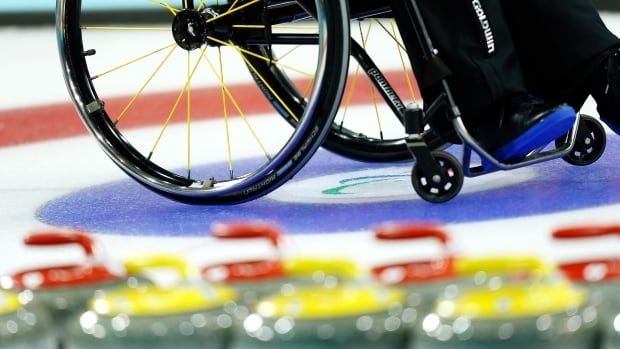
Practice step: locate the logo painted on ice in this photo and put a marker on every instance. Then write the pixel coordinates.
(349, 185)
(380, 185)
(376, 185)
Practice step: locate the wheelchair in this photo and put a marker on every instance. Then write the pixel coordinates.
(296, 54)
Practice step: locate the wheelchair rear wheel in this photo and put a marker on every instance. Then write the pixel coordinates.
(193, 144)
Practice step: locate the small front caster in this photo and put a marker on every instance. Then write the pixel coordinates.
(442, 186)
(590, 142)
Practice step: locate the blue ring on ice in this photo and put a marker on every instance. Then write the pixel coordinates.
(349, 196)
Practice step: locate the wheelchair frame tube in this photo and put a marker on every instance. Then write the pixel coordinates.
(378, 79)
(537, 157)
(413, 30)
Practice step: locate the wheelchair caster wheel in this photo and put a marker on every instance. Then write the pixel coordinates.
(442, 186)
(590, 143)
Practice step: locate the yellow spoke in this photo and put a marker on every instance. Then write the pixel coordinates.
(277, 26)
(150, 78)
(245, 59)
(285, 66)
(236, 105)
(93, 27)
(281, 57)
(402, 61)
(233, 5)
(189, 116)
(170, 7)
(176, 105)
(347, 102)
(201, 5)
(266, 59)
(231, 10)
(393, 36)
(166, 5)
(364, 38)
(373, 93)
(227, 126)
(120, 66)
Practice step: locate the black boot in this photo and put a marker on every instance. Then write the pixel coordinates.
(605, 88)
(522, 124)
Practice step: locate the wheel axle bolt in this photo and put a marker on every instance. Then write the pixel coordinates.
(189, 29)
(436, 179)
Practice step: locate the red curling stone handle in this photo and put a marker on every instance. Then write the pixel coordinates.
(586, 232)
(248, 230)
(54, 238)
(404, 231)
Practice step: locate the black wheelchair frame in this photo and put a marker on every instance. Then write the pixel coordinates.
(436, 175)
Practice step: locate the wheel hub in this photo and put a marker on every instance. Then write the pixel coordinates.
(191, 29)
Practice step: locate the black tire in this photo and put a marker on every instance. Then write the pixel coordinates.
(590, 143)
(448, 184)
(167, 180)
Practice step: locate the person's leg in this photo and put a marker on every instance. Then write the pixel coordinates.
(473, 39)
(604, 85)
(478, 48)
(561, 44)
